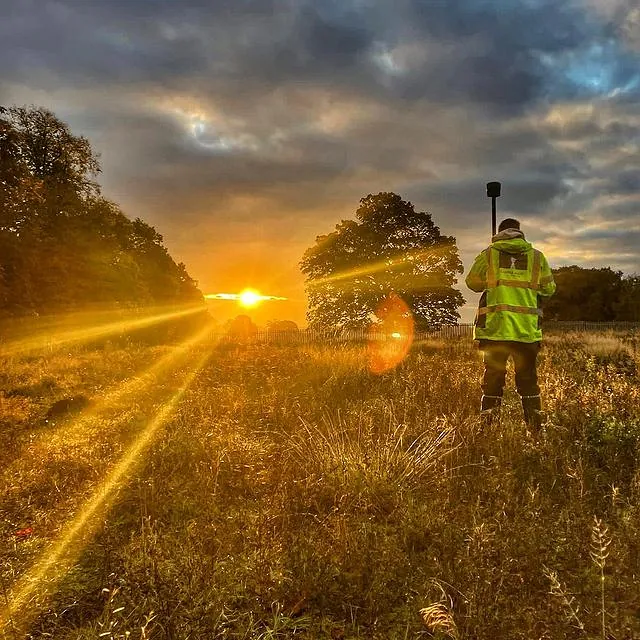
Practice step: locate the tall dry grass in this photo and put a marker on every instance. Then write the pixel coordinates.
(296, 495)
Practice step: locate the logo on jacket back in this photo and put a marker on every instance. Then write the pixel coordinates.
(513, 261)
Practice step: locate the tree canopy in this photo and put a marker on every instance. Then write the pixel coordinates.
(390, 248)
(594, 295)
(62, 245)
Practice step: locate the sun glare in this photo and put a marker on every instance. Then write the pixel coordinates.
(249, 298)
(91, 328)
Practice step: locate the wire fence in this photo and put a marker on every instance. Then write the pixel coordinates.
(588, 327)
(456, 331)
(46, 333)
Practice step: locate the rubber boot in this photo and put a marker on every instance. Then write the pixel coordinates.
(532, 409)
(490, 411)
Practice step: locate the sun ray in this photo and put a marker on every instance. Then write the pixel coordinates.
(397, 262)
(51, 337)
(26, 598)
(68, 434)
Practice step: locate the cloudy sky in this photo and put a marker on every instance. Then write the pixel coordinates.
(242, 129)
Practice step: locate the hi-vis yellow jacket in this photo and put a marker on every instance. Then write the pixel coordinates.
(512, 277)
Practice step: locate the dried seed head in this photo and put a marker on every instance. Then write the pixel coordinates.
(438, 619)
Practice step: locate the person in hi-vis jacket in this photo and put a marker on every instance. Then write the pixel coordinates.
(513, 277)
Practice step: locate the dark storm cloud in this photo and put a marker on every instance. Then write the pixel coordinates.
(467, 201)
(604, 235)
(83, 49)
(167, 43)
(509, 55)
(624, 183)
(331, 42)
(486, 52)
(505, 40)
(525, 25)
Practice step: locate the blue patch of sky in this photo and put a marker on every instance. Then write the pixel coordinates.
(207, 137)
(599, 69)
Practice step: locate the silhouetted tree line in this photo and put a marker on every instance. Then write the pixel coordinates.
(62, 245)
(594, 295)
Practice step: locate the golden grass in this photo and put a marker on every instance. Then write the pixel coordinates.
(287, 492)
(76, 444)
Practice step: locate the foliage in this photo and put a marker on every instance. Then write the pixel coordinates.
(282, 331)
(628, 303)
(282, 327)
(611, 446)
(62, 245)
(242, 328)
(594, 295)
(390, 247)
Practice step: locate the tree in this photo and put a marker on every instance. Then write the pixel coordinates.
(52, 153)
(62, 245)
(242, 329)
(585, 294)
(389, 248)
(628, 306)
(275, 327)
(282, 330)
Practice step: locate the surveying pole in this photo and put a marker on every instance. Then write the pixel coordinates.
(493, 192)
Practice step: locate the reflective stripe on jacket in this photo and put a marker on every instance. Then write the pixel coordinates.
(513, 277)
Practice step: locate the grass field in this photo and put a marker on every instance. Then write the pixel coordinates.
(260, 491)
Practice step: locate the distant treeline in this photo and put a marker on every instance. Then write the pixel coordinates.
(62, 245)
(594, 295)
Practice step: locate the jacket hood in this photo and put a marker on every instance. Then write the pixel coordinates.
(510, 241)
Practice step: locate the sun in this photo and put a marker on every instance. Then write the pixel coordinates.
(249, 298)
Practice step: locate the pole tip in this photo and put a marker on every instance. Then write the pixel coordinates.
(493, 189)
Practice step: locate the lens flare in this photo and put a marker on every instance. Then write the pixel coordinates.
(74, 433)
(390, 339)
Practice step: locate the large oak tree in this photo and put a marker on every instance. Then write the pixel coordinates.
(390, 248)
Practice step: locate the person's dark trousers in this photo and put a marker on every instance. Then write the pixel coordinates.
(496, 353)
